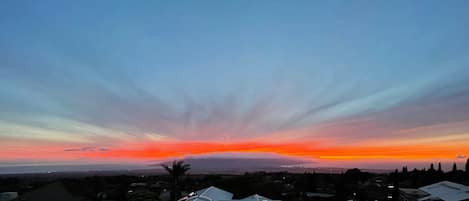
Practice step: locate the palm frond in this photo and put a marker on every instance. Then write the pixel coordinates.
(168, 169)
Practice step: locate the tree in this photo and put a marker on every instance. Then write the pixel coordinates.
(431, 168)
(354, 175)
(467, 166)
(439, 168)
(176, 170)
(404, 170)
(455, 169)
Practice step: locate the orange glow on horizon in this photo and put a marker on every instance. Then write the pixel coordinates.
(306, 150)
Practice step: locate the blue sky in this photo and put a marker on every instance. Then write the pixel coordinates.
(97, 73)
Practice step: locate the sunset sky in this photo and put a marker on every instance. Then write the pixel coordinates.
(334, 82)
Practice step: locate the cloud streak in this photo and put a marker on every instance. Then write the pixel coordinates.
(86, 149)
(106, 87)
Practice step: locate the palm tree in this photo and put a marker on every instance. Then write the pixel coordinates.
(176, 170)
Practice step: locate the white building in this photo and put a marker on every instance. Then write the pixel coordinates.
(215, 194)
(445, 190)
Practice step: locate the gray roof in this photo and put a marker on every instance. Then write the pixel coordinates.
(211, 193)
(256, 197)
(447, 191)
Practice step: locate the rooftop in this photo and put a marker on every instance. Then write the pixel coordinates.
(256, 197)
(446, 190)
(213, 193)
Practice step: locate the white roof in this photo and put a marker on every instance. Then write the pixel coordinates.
(256, 197)
(445, 190)
(211, 193)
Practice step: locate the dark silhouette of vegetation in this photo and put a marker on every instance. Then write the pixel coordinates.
(417, 178)
(307, 183)
(404, 170)
(467, 166)
(432, 168)
(355, 175)
(352, 184)
(395, 189)
(176, 170)
(340, 189)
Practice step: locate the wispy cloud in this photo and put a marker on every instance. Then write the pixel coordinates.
(135, 78)
(86, 149)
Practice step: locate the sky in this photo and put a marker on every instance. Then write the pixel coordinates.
(334, 82)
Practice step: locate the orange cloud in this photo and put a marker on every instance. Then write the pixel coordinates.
(307, 150)
(318, 150)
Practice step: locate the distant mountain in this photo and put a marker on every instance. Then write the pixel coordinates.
(199, 165)
(233, 165)
(24, 169)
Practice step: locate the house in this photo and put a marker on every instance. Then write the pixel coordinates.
(411, 194)
(208, 194)
(445, 190)
(213, 193)
(256, 197)
(7, 196)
